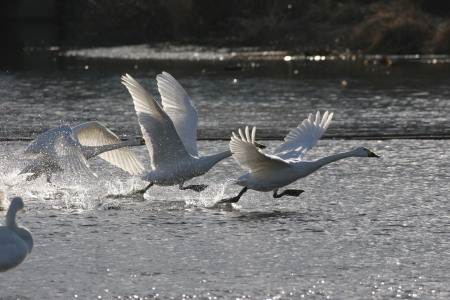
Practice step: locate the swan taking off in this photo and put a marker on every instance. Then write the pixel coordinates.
(66, 148)
(271, 172)
(15, 242)
(170, 132)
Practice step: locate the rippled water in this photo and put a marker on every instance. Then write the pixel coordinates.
(364, 228)
(406, 98)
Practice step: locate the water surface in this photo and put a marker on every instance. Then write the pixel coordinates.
(364, 228)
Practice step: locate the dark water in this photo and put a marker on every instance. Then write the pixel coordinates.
(363, 229)
(406, 98)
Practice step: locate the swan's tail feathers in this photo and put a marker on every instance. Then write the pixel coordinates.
(303, 138)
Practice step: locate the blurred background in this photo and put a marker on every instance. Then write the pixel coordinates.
(386, 61)
(304, 26)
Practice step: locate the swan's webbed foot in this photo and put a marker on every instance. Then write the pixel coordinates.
(194, 187)
(236, 198)
(49, 178)
(144, 190)
(293, 193)
(230, 200)
(33, 177)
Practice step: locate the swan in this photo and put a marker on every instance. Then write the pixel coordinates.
(272, 172)
(67, 148)
(171, 134)
(15, 242)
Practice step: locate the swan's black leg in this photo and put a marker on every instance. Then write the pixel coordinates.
(236, 198)
(143, 191)
(293, 193)
(33, 177)
(194, 187)
(49, 177)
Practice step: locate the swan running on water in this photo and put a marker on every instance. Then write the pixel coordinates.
(271, 172)
(15, 242)
(171, 134)
(66, 148)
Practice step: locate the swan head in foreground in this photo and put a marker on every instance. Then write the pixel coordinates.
(15, 242)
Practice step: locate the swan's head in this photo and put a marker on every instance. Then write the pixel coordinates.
(140, 140)
(364, 152)
(16, 204)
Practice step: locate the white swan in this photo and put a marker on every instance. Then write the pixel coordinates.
(170, 132)
(271, 172)
(66, 148)
(15, 242)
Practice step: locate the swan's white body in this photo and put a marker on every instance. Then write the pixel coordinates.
(66, 148)
(271, 172)
(170, 132)
(15, 242)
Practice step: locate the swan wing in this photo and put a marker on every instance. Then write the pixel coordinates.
(304, 137)
(96, 134)
(245, 152)
(178, 106)
(70, 158)
(46, 143)
(161, 138)
(58, 147)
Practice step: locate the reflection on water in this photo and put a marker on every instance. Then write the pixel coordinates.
(202, 53)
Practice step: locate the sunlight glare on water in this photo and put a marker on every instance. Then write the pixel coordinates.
(361, 230)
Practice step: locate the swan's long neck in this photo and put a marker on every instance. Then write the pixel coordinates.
(23, 233)
(91, 151)
(329, 159)
(211, 160)
(11, 219)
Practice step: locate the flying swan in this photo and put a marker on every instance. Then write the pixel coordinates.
(171, 134)
(66, 148)
(15, 242)
(271, 172)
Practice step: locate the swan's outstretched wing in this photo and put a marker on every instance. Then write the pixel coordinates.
(178, 106)
(96, 134)
(304, 137)
(57, 149)
(45, 143)
(161, 138)
(70, 158)
(249, 156)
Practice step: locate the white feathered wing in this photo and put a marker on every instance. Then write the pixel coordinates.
(303, 138)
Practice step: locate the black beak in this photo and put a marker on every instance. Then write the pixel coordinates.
(260, 146)
(372, 154)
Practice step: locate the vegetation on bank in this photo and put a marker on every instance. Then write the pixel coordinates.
(304, 26)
